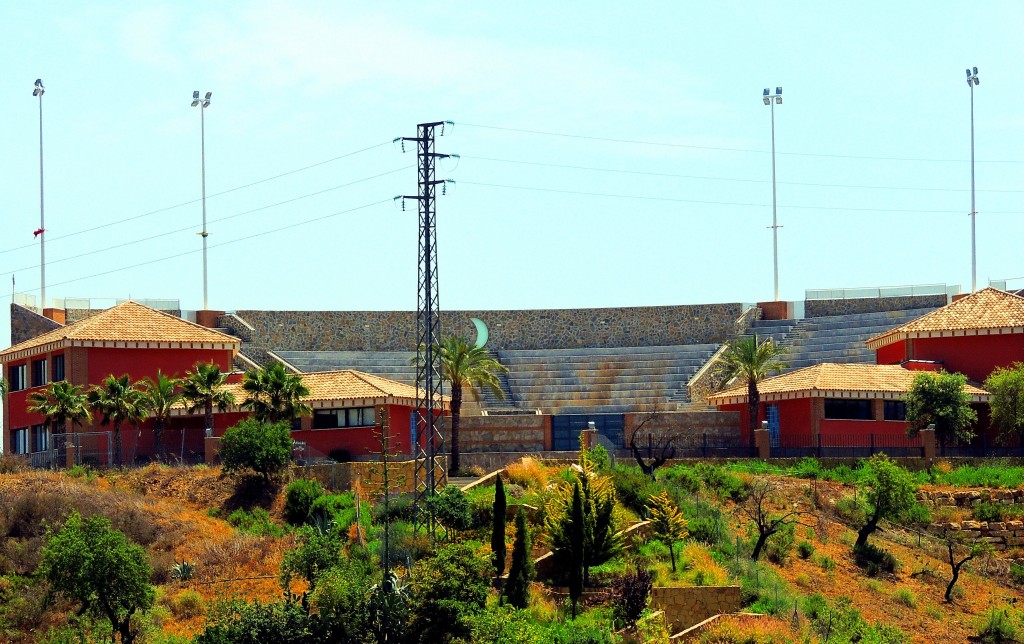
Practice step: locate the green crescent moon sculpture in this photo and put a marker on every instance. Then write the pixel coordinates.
(481, 332)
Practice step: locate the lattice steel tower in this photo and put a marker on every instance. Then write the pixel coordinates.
(428, 441)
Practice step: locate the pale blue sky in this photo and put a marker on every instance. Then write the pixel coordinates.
(873, 142)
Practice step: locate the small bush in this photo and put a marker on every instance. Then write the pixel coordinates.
(299, 497)
(399, 509)
(631, 592)
(1017, 573)
(705, 529)
(851, 509)
(988, 512)
(529, 472)
(805, 549)
(827, 563)
(256, 522)
(906, 597)
(188, 604)
(634, 488)
(875, 560)
(997, 627)
(780, 545)
(11, 464)
(815, 606)
(260, 447)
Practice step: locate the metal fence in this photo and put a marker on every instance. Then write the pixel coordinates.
(880, 291)
(848, 446)
(80, 448)
(982, 447)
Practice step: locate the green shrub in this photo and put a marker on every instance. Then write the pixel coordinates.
(827, 563)
(988, 512)
(634, 488)
(256, 522)
(579, 632)
(449, 589)
(906, 597)
(852, 509)
(805, 549)
(997, 627)
(251, 445)
(451, 508)
(400, 508)
(875, 560)
(780, 545)
(340, 509)
(299, 497)
(1017, 573)
(187, 604)
(815, 606)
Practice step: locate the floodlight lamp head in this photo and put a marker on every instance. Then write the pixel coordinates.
(975, 70)
(194, 103)
(39, 89)
(195, 95)
(767, 101)
(208, 95)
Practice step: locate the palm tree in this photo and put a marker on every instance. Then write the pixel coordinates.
(466, 365)
(62, 403)
(119, 400)
(274, 395)
(162, 394)
(203, 388)
(3, 387)
(752, 361)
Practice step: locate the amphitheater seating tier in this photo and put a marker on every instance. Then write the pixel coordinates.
(836, 338)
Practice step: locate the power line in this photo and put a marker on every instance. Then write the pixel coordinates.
(225, 243)
(734, 179)
(720, 148)
(721, 203)
(212, 221)
(193, 201)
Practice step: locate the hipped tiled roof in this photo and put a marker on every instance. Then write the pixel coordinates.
(985, 312)
(829, 380)
(130, 323)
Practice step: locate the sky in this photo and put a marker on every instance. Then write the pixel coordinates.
(609, 154)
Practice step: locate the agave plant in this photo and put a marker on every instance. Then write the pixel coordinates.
(183, 571)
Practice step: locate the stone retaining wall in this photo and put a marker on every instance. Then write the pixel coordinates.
(819, 308)
(971, 498)
(1001, 535)
(689, 605)
(525, 329)
(521, 433)
(27, 324)
(687, 424)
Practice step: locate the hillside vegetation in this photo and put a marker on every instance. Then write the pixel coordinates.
(318, 573)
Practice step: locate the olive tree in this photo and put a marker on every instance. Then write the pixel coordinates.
(890, 494)
(88, 562)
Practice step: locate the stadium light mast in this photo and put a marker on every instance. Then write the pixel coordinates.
(203, 103)
(771, 100)
(41, 233)
(972, 81)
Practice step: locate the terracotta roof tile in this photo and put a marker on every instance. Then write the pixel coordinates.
(127, 322)
(986, 311)
(827, 378)
(329, 386)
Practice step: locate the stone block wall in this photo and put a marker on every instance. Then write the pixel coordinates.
(508, 330)
(525, 433)
(689, 605)
(27, 324)
(688, 424)
(1002, 535)
(819, 308)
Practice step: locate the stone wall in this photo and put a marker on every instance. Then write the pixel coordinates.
(689, 605)
(520, 433)
(1001, 534)
(818, 308)
(27, 324)
(367, 475)
(687, 424)
(508, 330)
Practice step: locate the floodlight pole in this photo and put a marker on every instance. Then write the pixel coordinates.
(203, 104)
(972, 80)
(39, 91)
(770, 101)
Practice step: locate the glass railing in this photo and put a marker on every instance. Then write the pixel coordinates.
(881, 291)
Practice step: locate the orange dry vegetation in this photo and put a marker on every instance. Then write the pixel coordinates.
(165, 510)
(932, 620)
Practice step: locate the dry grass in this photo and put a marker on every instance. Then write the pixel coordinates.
(528, 473)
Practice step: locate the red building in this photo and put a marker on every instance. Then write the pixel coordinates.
(850, 402)
(832, 405)
(972, 336)
(133, 339)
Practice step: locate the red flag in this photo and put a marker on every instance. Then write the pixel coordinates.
(38, 232)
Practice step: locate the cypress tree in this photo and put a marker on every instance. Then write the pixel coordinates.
(577, 543)
(520, 574)
(498, 530)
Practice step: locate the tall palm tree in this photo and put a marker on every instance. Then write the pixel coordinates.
(203, 388)
(120, 401)
(751, 362)
(274, 395)
(62, 403)
(466, 365)
(161, 395)
(3, 387)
